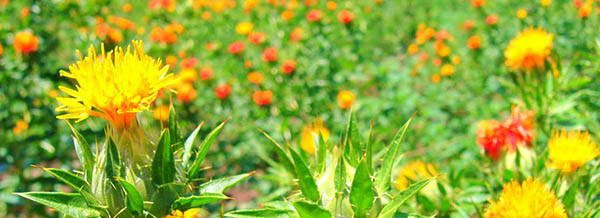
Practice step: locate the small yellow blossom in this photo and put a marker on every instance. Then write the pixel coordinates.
(312, 132)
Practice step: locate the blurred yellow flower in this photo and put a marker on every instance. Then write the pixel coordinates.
(413, 49)
(521, 13)
(161, 113)
(529, 50)
(312, 132)
(529, 199)
(331, 5)
(414, 171)
(244, 28)
(447, 70)
(190, 213)
(114, 85)
(545, 3)
(569, 150)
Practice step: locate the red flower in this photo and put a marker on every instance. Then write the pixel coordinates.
(206, 73)
(237, 48)
(262, 98)
(288, 67)
(269, 54)
(222, 91)
(345, 16)
(495, 137)
(256, 38)
(314, 15)
(189, 63)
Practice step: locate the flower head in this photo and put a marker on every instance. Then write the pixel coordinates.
(262, 98)
(223, 91)
(114, 85)
(244, 28)
(269, 54)
(190, 213)
(288, 67)
(26, 42)
(529, 50)
(255, 77)
(345, 99)
(414, 171)
(529, 199)
(312, 132)
(570, 150)
(345, 16)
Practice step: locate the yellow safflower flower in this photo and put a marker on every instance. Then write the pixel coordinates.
(414, 171)
(529, 199)
(114, 85)
(311, 132)
(190, 213)
(569, 150)
(244, 28)
(529, 50)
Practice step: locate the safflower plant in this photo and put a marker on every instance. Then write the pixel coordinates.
(338, 180)
(129, 174)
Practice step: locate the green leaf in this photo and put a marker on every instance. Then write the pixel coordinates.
(135, 202)
(208, 141)
(352, 141)
(569, 198)
(70, 204)
(84, 153)
(259, 213)
(321, 153)
(68, 178)
(382, 181)
(113, 162)
(164, 196)
(194, 201)
(283, 156)
(187, 145)
(222, 184)
(369, 152)
(361, 192)
(310, 210)
(305, 179)
(173, 126)
(390, 209)
(163, 165)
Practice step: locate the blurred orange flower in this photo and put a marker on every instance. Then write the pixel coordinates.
(20, 127)
(269, 54)
(25, 42)
(236, 48)
(222, 91)
(256, 38)
(262, 98)
(345, 16)
(255, 77)
(314, 15)
(206, 73)
(491, 19)
(477, 3)
(296, 34)
(186, 92)
(161, 113)
(288, 67)
(345, 99)
(474, 42)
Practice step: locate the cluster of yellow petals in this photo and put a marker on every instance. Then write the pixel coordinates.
(570, 150)
(415, 171)
(190, 213)
(529, 199)
(311, 133)
(529, 50)
(114, 85)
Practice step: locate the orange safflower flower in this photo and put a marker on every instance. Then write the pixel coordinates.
(468, 25)
(25, 42)
(262, 98)
(314, 15)
(1, 50)
(491, 19)
(436, 78)
(495, 136)
(126, 7)
(20, 127)
(345, 16)
(288, 67)
(161, 113)
(189, 62)
(236, 48)
(256, 38)
(186, 92)
(477, 3)
(168, 5)
(206, 73)
(474, 42)
(413, 49)
(223, 91)
(331, 5)
(296, 34)
(345, 99)
(287, 15)
(255, 77)
(585, 10)
(269, 54)
(521, 13)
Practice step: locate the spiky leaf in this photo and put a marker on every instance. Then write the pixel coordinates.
(70, 204)
(163, 165)
(201, 154)
(310, 210)
(305, 178)
(390, 209)
(194, 201)
(362, 194)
